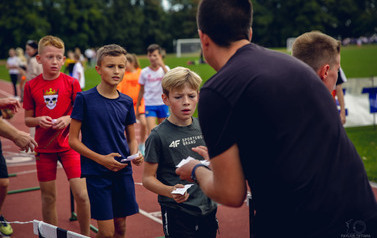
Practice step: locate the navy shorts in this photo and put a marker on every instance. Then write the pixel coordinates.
(3, 164)
(111, 196)
(177, 223)
(160, 111)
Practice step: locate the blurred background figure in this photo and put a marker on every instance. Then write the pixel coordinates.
(12, 66)
(130, 86)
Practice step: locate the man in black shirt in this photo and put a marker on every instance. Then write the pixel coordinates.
(266, 117)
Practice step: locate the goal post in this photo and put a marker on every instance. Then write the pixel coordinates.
(187, 46)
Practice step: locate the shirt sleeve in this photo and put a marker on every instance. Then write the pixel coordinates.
(141, 78)
(28, 103)
(131, 118)
(215, 115)
(76, 88)
(78, 107)
(153, 148)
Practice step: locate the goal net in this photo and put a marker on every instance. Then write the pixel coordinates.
(187, 46)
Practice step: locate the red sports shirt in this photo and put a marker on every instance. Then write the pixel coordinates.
(52, 98)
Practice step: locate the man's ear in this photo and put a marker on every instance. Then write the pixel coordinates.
(165, 99)
(323, 72)
(250, 33)
(204, 39)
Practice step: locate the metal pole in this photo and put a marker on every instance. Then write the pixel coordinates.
(23, 190)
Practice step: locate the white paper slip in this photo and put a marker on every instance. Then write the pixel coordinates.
(181, 190)
(189, 158)
(131, 157)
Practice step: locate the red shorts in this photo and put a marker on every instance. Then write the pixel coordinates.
(47, 163)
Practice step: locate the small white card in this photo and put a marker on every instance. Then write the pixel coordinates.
(181, 190)
(189, 158)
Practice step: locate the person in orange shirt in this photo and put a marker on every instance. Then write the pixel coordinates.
(130, 86)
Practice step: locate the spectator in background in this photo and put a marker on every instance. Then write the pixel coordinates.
(33, 68)
(78, 71)
(69, 63)
(130, 86)
(22, 68)
(13, 63)
(150, 87)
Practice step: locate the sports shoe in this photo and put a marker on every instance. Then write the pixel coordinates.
(5, 228)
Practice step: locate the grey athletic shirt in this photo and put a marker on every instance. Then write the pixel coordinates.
(167, 145)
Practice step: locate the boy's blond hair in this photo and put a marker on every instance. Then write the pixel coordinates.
(178, 77)
(316, 49)
(109, 50)
(50, 41)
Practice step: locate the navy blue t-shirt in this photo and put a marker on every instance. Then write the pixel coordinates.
(103, 127)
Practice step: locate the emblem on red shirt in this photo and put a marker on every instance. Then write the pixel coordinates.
(51, 98)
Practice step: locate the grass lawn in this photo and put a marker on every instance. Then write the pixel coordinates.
(357, 62)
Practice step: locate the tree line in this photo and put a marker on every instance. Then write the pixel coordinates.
(137, 23)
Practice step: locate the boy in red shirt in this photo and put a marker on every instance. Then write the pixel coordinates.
(48, 103)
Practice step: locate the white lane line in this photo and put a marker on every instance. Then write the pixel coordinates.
(144, 213)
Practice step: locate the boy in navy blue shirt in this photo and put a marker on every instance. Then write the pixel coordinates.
(102, 114)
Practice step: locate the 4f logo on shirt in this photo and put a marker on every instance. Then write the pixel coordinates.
(174, 143)
(51, 98)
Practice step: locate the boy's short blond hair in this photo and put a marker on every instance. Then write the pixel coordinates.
(316, 49)
(109, 50)
(50, 41)
(178, 77)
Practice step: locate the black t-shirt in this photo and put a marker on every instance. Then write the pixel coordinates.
(306, 177)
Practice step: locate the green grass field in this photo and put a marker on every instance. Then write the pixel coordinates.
(357, 62)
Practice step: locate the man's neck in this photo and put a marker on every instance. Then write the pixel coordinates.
(223, 54)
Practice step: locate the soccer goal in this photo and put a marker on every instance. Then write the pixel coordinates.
(187, 46)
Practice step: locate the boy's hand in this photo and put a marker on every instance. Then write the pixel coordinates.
(177, 197)
(45, 122)
(160, 61)
(139, 160)
(60, 123)
(112, 164)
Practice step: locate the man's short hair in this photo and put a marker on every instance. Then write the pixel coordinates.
(225, 21)
(316, 49)
(50, 41)
(178, 77)
(109, 50)
(151, 48)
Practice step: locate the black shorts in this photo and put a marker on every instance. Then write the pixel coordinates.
(178, 224)
(3, 164)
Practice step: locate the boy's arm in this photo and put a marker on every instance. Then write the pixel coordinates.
(140, 96)
(162, 64)
(151, 183)
(42, 121)
(75, 143)
(132, 144)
